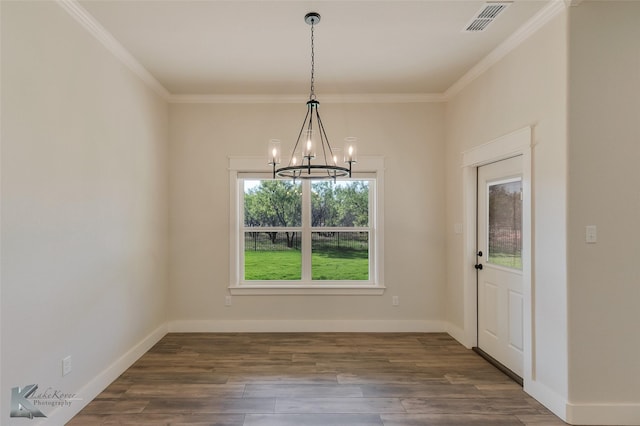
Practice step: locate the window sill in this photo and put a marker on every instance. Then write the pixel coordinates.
(351, 290)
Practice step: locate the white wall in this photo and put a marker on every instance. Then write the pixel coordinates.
(604, 190)
(526, 88)
(109, 195)
(409, 136)
(84, 205)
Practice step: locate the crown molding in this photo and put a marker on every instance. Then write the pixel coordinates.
(84, 18)
(326, 99)
(547, 13)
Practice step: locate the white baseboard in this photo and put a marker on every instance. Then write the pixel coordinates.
(603, 414)
(547, 397)
(458, 334)
(89, 391)
(283, 326)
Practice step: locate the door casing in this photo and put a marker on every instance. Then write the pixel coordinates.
(510, 145)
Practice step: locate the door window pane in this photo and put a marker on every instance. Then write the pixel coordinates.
(340, 255)
(505, 224)
(272, 256)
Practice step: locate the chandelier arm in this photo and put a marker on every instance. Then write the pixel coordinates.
(326, 138)
(323, 133)
(323, 138)
(300, 135)
(312, 106)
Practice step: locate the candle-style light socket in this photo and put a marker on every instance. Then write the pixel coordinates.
(350, 149)
(336, 156)
(274, 151)
(309, 144)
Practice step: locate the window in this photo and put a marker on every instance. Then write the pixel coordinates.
(325, 237)
(505, 223)
(307, 236)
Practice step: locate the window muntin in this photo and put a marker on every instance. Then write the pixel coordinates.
(307, 231)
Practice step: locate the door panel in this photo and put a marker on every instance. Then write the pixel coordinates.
(515, 320)
(490, 297)
(500, 299)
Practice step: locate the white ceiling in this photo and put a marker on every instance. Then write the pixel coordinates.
(263, 47)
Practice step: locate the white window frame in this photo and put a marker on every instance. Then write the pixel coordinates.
(252, 167)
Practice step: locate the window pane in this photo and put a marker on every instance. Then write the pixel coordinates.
(505, 224)
(340, 204)
(340, 255)
(272, 203)
(272, 256)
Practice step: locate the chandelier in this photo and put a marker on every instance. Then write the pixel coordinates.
(312, 156)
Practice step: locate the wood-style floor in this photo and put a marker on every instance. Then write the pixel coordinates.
(319, 379)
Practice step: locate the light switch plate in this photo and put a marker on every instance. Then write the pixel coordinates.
(591, 234)
(66, 365)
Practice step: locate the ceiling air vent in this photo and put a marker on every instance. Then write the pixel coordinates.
(485, 16)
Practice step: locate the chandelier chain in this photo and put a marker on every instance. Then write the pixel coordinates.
(312, 95)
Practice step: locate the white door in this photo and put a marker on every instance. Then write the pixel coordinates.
(499, 262)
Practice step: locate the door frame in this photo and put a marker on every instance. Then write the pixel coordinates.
(513, 144)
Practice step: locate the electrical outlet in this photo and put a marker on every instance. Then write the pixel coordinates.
(227, 301)
(66, 365)
(395, 301)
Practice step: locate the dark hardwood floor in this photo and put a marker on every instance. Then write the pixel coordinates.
(323, 379)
